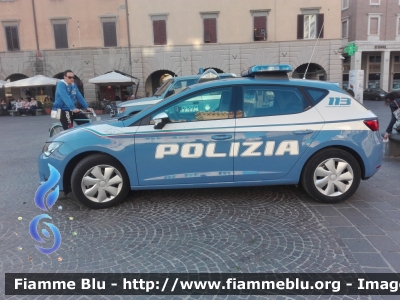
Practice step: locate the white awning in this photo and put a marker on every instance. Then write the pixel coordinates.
(2, 82)
(38, 80)
(113, 78)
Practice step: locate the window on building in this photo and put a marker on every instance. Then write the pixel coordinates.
(397, 59)
(398, 25)
(260, 28)
(373, 25)
(109, 26)
(310, 24)
(210, 30)
(375, 2)
(159, 28)
(160, 32)
(260, 18)
(12, 36)
(60, 32)
(345, 28)
(60, 35)
(345, 4)
(210, 26)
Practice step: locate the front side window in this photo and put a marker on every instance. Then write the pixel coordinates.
(260, 101)
(206, 105)
(12, 38)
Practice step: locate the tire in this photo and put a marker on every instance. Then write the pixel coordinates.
(331, 188)
(100, 192)
(56, 129)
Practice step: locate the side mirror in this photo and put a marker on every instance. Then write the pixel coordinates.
(161, 120)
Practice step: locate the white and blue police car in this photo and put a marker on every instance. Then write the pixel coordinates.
(261, 129)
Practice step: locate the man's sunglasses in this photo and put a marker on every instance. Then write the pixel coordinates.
(70, 77)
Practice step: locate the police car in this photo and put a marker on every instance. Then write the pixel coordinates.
(261, 129)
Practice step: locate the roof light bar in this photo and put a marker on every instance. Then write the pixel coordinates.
(265, 69)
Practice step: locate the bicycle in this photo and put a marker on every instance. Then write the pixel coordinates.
(57, 127)
(110, 107)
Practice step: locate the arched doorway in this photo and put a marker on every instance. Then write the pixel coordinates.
(314, 72)
(15, 93)
(156, 79)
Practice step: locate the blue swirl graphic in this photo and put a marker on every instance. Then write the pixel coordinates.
(43, 189)
(35, 235)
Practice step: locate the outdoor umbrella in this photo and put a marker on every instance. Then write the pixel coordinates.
(2, 82)
(113, 78)
(38, 80)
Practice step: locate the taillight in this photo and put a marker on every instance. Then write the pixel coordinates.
(372, 124)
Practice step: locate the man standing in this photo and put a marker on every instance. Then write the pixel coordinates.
(66, 94)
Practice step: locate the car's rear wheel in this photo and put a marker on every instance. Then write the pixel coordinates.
(331, 175)
(99, 181)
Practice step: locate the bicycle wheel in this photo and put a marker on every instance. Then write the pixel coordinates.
(56, 129)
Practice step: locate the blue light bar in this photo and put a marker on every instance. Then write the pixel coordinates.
(264, 69)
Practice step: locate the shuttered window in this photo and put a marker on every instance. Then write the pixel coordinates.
(12, 38)
(160, 32)
(345, 25)
(210, 30)
(60, 35)
(110, 34)
(260, 28)
(310, 26)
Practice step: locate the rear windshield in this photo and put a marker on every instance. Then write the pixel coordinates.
(316, 95)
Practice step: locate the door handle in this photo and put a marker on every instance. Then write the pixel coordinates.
(299, 132)
(221, 137)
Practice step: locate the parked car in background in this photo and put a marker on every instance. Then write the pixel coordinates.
(170, 87)
(374, 94)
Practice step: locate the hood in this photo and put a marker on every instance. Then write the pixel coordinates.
(111, 121)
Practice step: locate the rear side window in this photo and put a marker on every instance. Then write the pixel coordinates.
(259, 101)
(316, 95)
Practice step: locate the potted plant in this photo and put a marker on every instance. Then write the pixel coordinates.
(47, 106)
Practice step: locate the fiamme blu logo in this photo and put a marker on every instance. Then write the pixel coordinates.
(45, 197)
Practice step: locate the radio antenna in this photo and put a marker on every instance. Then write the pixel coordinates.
(322, 27)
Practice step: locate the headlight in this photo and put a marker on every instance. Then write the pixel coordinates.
(50, 147)
(121, 110)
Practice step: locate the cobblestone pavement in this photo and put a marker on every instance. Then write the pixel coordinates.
(255, 229)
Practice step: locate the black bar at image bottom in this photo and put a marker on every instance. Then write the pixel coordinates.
(202, 284)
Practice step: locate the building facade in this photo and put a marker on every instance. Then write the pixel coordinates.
(374, 27)
(155, 39)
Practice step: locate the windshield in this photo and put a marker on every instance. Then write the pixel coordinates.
(162, 88)
(379, 90)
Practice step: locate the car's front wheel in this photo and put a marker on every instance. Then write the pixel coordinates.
(99, 181)
(331, 175)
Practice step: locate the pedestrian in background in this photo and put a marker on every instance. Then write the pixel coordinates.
(393, 101)
(67, 93)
